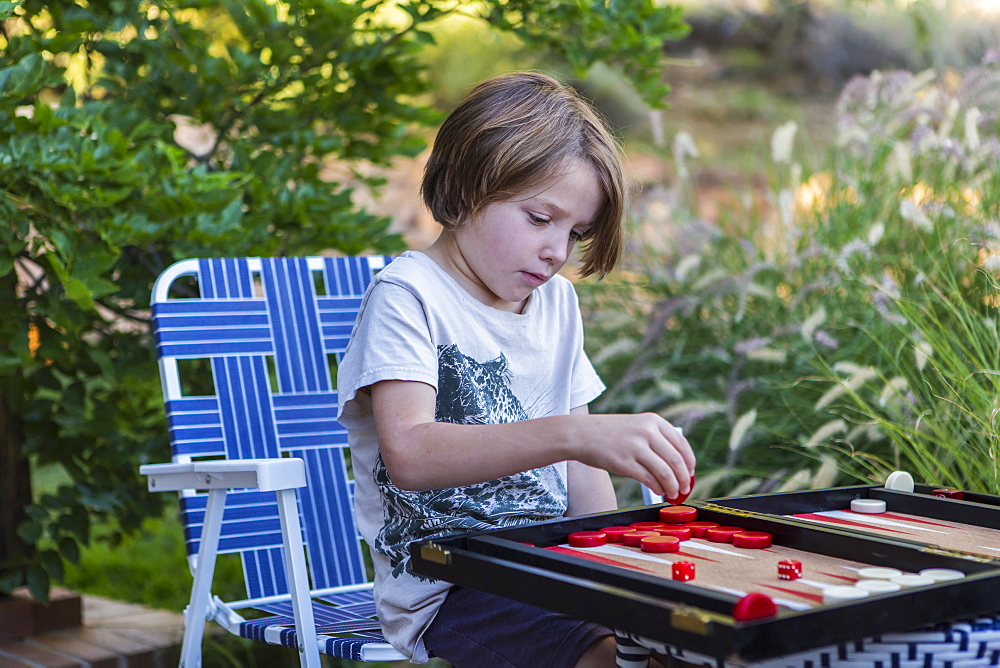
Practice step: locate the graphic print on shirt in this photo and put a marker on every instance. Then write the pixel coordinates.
(469, 392)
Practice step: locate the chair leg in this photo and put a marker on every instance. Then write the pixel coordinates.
(298, 578)
(197, 611)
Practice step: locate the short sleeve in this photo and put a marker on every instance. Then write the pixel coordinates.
(391, 340)
(586, 384)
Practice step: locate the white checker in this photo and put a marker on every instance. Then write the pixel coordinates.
(907, 581)
(942, 574)
(900, 481)
(868, 506)
(878, 586)
(878, 573)
(840, 594)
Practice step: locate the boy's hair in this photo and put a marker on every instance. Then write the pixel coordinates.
(515, 132)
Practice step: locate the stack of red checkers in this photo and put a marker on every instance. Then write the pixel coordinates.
(698, 529)
(722, 534)
(632, 538)
(678, 514)
(587, 538)
(614, 534)
(658, 543)
(753, 539)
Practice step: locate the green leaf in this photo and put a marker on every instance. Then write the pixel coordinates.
(6, 264)
(12, 579)
(79, 292)
(29, 531)
(52, 563)
(27, 76)
(38, 583)
(70, 550)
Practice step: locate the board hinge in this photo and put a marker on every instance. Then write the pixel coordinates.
(692, 620)
(435, 554)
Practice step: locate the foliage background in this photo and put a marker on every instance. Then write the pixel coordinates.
(840, 321)
(99, 197)
(843, 273)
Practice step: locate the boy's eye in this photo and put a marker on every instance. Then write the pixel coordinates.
(537, 219)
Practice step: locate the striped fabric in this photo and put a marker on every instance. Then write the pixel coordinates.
(269, 332)
(968, 643)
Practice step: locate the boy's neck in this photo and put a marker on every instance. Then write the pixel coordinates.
(447, 255)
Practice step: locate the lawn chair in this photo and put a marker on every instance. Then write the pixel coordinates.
(264, 442)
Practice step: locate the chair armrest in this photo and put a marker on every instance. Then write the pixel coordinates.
(262, 474)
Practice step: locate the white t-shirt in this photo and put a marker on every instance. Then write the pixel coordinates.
(488, 366)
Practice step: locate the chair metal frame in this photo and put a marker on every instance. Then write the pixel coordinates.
(269, 432)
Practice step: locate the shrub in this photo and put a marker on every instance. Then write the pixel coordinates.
(101, 192)
(772, 335)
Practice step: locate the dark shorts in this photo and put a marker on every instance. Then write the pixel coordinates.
(476, 630)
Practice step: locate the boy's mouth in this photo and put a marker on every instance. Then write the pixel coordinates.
(537, 279)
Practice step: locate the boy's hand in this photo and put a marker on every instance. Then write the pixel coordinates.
(644, 447)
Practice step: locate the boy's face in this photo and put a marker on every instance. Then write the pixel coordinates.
(514, 246)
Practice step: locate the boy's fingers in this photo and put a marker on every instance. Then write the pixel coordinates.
(666, 479)
(680, 443)
(677, 469)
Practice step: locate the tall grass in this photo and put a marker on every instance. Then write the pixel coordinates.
(782, 335)
(937, 401)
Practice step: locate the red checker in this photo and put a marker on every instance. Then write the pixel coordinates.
(949, 493)
(647, 526)
(682, 570)
(678, 532)
(659, 543)
(632, 538)
(752, 539)
(681, 498)
(615, 533)
(722, 534)
(587, 538)
(698, 529)
(789, 569)
(754, 606)
(678, 514)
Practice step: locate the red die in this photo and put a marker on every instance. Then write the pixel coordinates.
(949, 493)
(789, 569)
(682, 570)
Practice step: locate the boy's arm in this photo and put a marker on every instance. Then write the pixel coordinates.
(421, 453)
(590, 489)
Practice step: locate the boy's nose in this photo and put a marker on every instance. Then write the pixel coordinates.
(557, 249)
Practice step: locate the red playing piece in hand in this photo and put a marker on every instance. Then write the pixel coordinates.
(681, 498)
